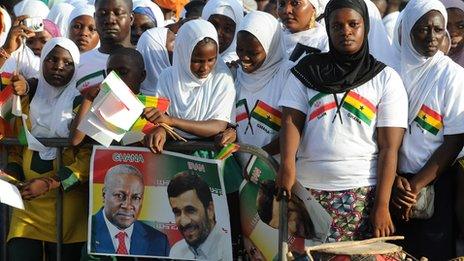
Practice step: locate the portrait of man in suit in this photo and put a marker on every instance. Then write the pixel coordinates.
(115, 228)
(192, 205)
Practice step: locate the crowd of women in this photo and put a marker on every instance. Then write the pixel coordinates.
(367, 114)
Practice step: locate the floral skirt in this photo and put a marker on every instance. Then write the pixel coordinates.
(350, 210)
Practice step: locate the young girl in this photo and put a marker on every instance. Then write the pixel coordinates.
(226, 16)
(436, 130)
(198, 84)
(82, 30)
(264, 70)
(33, 231)
(349, 111)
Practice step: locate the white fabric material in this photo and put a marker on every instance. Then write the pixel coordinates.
(379, 44)
(192, 98)
(214, 248)
(268, 32)
(152, 46)
(32, 8)
(459, 4)
(154, 8)
(7, 24)
(59, 15)
(315, 37)
(389, 22)
(231, 9)
(29, 64)
(114, 231)
(51, 109)
(431, 82)
(338, 156)
(80, 10)
(92, 69)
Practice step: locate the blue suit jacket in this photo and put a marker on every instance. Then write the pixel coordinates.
(145, 240)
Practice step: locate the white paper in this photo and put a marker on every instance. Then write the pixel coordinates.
(10, 195)
(32, 142)
(16, 107)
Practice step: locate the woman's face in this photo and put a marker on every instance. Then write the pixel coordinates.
(295, 14)
(455, 28)
(428, 33)
(84, 33)
(58, 67)
(250, 52)
(37, 42)
(225, 28)
(346, 29)
(203, 59)
(139, 26)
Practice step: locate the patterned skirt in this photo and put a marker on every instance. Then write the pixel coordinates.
(350, 210)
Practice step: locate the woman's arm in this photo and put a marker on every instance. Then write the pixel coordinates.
(388, 141)
(290, 133)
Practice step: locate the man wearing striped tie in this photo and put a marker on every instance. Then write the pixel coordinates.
(115, 228)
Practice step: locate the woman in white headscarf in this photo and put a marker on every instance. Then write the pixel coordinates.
(82, 30)
(455, 9)
(226, 16)
(156, 46)
(264, 70)
(200, 88)
(147, 15)
(301, 28)
(50, 113)
(59, 15)
(436, 130)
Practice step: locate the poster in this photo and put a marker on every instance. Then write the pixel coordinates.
(132, 214)
(308, 222)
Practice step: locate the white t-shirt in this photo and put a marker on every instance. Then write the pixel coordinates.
(441, 114)
(339, 151)
(92, 69)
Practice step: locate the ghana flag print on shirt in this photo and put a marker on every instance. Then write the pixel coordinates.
(266, 114)
(429, 120)
(360, 107)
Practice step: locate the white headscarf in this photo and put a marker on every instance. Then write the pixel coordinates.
(459, 4)
(268, 32)
(153, 7)
(7, 23)
(231, 9)
(193, 98)
(59, 15)
(51, 109)
(420, 74)
(80, 10)
(31, 8)
(152, 46)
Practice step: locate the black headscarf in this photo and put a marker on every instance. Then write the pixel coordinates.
(334, 72)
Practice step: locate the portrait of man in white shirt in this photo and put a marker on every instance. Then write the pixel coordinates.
(192, 205)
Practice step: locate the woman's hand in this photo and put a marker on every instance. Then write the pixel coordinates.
(17, 31)
(91, 92)
(156, 140)
(404, 197)
(226, 137)
(38, 187)
(156, 116)
(382, 223)
(20, 85)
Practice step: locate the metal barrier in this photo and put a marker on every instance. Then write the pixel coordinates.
(187, 147)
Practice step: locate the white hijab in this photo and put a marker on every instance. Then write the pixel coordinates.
(51, 109)
(231, 9)
(59, 15)
(420, 74)
(80, 10)
(268, 32)
(31, 8)
(154, 8)
(193, 98)
(152, 46)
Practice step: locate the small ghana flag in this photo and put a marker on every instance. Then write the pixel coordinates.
(360, 107)
(429, 120)
(142, 125)
(267, 115)
(227, 151)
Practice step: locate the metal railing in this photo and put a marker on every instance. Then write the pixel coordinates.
(185, 147)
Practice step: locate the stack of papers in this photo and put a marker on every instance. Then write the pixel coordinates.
(113, 112)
